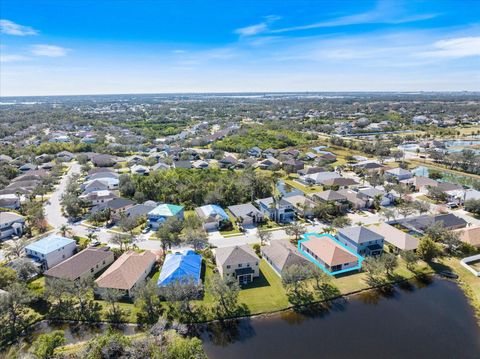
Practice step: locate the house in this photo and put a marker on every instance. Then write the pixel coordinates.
(212, 216)
(84, 264)
(302, 205)
(161, 213)
(270, 163)
(398, 174)
(279, 211)
(246, 213)
(311, 170)
(10, 201)
(470, 235)
(401, 240)
(329, 254)
(139, 210)
(361, 240)
(180, 267)
(329, 196)
(292, 165)
(368, 166)
(228, 162)
(340, 182)
(160, 166)
(51, 250)
(116, 207)
(254, 152)
(99, 184)
(27, 167)
(319, 177)
(135, 160)
(103, 160)
(105, 173)
(371, 194)
(326, 156)
(281, 254)
(128, 272)
(237, 262)
(353, 198)
(11, 224)
(140, 170)
(97, 197)
(182, 164)
(200, 164)
(422, 184)
(65, 156)
(421, 223)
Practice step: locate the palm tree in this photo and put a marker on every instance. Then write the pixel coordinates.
(65, 229)
(91, 236)
(328, 229)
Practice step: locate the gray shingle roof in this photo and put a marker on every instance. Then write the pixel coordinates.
(359, 234)
(235, 255)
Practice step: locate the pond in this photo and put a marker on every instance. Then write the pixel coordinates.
(421, 319)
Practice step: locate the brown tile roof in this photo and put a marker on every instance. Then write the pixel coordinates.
(126, 270)
(79, 264)
(329, 251)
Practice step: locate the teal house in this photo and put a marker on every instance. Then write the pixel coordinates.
(161, 213)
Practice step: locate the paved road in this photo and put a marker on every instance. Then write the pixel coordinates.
(53, 213)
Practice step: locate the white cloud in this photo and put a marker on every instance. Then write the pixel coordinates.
(10, 28)
(386, 12)
(455, 48)
(49, 50)
(13, 58)
(257, 28)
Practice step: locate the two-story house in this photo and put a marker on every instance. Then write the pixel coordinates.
(362, 240)
(11, 224)
(279, 211)
(161, 213)
(51, 250)
(238, 262)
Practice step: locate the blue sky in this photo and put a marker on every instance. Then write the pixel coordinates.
(54, 47)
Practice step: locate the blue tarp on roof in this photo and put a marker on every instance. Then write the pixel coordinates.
(178, 266)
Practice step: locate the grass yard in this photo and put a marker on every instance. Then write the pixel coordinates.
(301, 187)
(266, 293)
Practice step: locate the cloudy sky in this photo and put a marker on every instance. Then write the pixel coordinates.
(56, 47)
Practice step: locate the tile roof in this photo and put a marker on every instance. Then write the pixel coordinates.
(80, 263)
(235, 255)
(328, 250)
(126, 270)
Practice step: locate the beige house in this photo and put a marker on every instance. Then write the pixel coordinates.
(395, 237)
(470, 235)
(84, 264)
(127, 272)
(239, 262)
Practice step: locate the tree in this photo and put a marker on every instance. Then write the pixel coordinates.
(264, 235)
(405, 209)
(26, 269)
(127, 224)
(437, 194)
(44, 346)
(421, 207)
(390, 262)
(387, 213)
(185, 348)
(7, 276)
(91, 236)
(295, 229)
(341, 222)
(410, 259)
(473, 206)
(427, 249)
(293, 277)
(167, 237)
(196, 237)
(13, 308)
(181, 293)
(107, 346)
(122, 240)
(112, 296)
(148, 301)
(225, 293)
(14, 248)
(64, 230)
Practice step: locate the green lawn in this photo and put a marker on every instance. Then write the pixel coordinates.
(301, 187)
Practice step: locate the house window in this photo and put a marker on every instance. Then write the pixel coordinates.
(91, 270)
(228, 267)
(239, 265)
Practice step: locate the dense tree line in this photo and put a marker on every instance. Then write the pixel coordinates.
(195, 188)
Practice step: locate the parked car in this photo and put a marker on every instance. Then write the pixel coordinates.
(452, 205)
(146, 230)
(94, 243)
